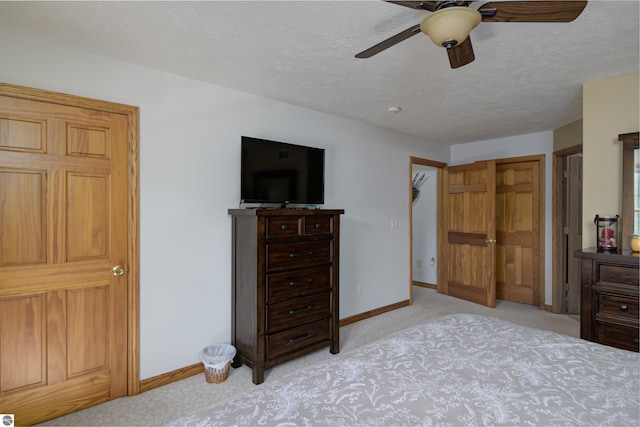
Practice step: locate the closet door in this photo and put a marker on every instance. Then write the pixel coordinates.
(469, 237)
(518, 206)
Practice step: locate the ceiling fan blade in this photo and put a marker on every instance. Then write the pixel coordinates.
(368, 53)
(532, 11)
(461, 54)
(422, 5)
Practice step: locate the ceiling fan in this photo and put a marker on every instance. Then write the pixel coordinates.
(450, 22)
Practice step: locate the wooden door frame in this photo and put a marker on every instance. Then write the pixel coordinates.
(133, 246)
(558, 211)
(439, 166)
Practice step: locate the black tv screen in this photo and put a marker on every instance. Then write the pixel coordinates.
(277, 172)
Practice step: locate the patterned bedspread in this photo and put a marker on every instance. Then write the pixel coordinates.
(454, 370)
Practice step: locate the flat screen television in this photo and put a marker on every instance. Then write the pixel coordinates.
(278, 172)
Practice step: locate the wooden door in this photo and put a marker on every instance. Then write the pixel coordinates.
(518, 231)
(469, 234)
(63, 227)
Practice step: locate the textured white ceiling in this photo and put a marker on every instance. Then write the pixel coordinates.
(526, 77)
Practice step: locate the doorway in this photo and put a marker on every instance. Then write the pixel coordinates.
(567, 229)
(424, 203)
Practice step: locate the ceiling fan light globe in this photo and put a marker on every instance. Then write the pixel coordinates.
(450, 26)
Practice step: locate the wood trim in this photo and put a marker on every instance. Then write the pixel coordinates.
(24, 92)
(439, 165)
(133, 256)
(171, 377)
(629, 143)
(575, 149)
(426, 162)
(133, 247)
(531, 158)
(372, 313)
(557, 212)
(411, 163)
(442, 230)
(542, 224)
(424, 285)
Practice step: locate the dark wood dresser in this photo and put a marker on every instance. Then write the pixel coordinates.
(609, 298)
(284, 285)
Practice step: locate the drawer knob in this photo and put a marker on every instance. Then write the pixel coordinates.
(284, 227)
(318, 226)
(301, 338)
(300, 254)
(300, 310)
(624, 308)
(302, 282)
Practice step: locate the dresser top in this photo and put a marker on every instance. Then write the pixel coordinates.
(284, 212)
(620, 256)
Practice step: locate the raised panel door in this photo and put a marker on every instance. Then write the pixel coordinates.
(517, 232)
(469, 206)
(63, 225)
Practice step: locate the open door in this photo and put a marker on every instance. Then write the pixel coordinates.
(470, 232)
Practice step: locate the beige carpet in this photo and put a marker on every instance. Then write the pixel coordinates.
(164, 404)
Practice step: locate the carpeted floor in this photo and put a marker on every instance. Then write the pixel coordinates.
(164, 404)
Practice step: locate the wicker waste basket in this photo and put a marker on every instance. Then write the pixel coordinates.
(217, 360)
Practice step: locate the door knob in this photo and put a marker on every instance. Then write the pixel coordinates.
(489, 241)
(117, 270)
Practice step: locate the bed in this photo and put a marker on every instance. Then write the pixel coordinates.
(455, 370)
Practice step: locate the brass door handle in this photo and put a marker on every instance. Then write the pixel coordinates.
(490, 241)
(117, 270)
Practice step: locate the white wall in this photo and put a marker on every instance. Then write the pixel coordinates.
(189, 176)
(516, 146)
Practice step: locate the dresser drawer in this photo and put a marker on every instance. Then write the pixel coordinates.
(291, 340)
(618, 274)
(284, 226)
(617, 305)
(318, 225)
(298, 283)
(297, 311)
(619, 336)
(301, 254)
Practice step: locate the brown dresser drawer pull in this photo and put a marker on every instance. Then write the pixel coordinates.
(318, 226)
(624, 308)
(302, 282)
(300, 310)
(284, 227)
(301, 338)
(300, 254)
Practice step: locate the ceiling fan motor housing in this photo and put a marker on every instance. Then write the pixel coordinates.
(450, 26)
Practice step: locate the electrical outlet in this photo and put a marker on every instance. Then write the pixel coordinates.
(360, 286)
(419, 263)
(394, 223)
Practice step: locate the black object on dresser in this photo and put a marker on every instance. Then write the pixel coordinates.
(284, 285)
(609, 297)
